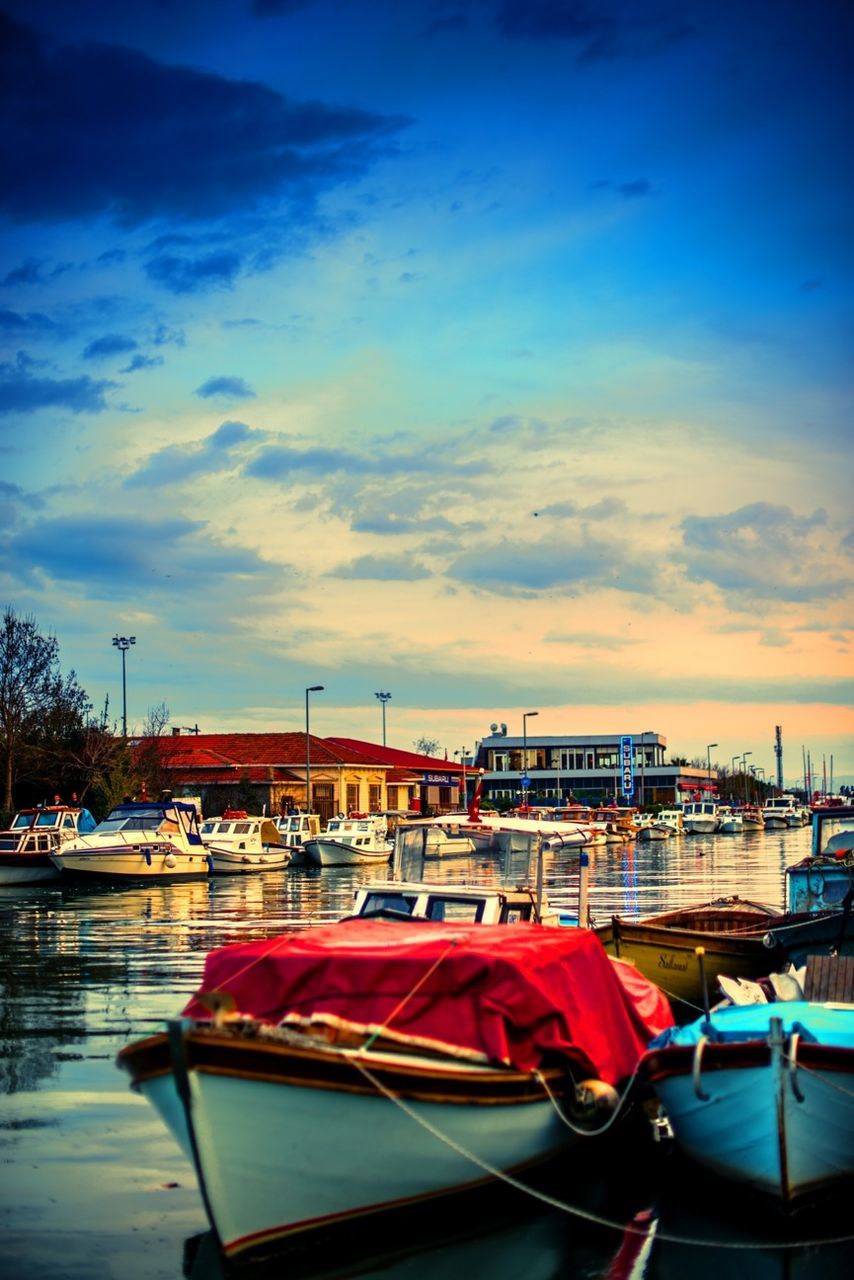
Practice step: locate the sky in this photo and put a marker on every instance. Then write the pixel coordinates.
(495, 354)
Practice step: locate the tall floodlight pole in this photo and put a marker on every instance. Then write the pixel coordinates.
(123, 643)
(744, 771)
(709, 761)
(526, 716)
(314, 688)
(383, 697)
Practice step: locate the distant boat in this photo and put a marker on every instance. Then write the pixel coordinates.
(239, 843)
(780, 812)
(139, 840)
(34, 835)
(360, 838)
(295, 829)
(701, 817)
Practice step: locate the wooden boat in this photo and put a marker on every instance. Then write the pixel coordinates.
(140, 840)
(239, 843)
(295, 829)
(751, 818)
(372, 1066)
(825, 880)
(763, 1094)
(35, 833)
(344, 842)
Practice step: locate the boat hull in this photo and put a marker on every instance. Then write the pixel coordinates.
(289, 1142)
(226, 862)
(133, 863)
(335, 853)
(791, 1139)
(26, 868)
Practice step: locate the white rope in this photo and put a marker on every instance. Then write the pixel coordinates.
(575, 1210)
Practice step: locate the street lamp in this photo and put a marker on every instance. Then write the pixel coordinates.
(314, 688)
(709, 761)
(525, 718)
(744, 771)
(383, 697)
(123, 643)
(462, 754)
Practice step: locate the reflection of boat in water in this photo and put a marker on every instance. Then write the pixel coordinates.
(446, 1052)
(139, 840)
(34, 835)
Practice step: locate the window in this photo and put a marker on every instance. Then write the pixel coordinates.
(323, 794)
(500, 762)
(352, 797)
(466, 910)
(374, 797)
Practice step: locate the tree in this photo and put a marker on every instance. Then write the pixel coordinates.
(36, 702)
(148, 757)
(426, 746)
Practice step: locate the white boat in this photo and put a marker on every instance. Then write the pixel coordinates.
(239, 843)
(700, 817)
(760, 1093)
(731, 820)
(780, 812)
(654, 830)
(460, 903)
(295, 829)
(370, 1067)
(751, 818)
(139, 840)
(34, 834)
(672, 818)
(349, 841)
(433, 840)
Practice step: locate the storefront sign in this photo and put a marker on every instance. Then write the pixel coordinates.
(627, 764)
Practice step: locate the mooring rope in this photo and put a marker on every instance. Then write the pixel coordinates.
(579, 1129)
(586, 1215)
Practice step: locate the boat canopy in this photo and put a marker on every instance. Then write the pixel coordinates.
(815, 1022)
(526, 996)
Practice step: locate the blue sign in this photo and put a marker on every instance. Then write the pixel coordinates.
(526, 781)
(627, 764)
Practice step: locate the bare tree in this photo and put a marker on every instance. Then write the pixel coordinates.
(426, 746)
(32, 692)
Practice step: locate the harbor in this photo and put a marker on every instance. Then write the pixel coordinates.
(94, 1184)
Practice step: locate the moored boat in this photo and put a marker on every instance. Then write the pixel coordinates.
(295, 829)
(139, 840)
(751, 818)
(763, 1093)
(672, 818)
(731, 820)
(239, 843)
(34, 834)
(372, 1066)
(780, 812)
(825, 879)
(701, 817)
(359, 838)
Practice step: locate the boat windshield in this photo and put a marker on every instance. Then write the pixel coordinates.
(21, 821)
(836, 835)
(47, 820)
(131, 820)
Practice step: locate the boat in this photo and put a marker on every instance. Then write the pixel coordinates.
(361, 837)
(780, 812)
(751, 818)
(34, 834)
(295, 829)
(351, 1072)
(139, 840)
(761, 1093)
(672, 818)
(238, 843)
(433, 840)
(731, 820)
(458, 903)
(825, 879)
(700, 817)
(650, 828)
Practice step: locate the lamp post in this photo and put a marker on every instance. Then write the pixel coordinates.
(314, 688)
(123, 643)
(462, 754)
(527, 715)
(383, 697)
(709, 761)
(744, 771)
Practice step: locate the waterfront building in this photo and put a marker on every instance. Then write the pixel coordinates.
(551, 769)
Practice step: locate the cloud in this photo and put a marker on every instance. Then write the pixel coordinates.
(764, 551)
(13, 323)
(101, 130)
(631, 189)
(232, 388)
(21, 392)
(389, 522)
(111, 344)
(218, 269)
(604, 509)
(600, 30)
(142, 362)
(121, 556)
(279, 461)
(585, 565)
(177, 463)
(32, 270)
(383, 569)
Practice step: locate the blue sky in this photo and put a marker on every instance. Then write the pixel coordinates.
(496, 354)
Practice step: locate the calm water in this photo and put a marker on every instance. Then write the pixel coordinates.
(92, 1186)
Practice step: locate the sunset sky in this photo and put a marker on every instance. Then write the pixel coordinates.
(493, 353)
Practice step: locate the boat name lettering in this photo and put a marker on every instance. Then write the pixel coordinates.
(670, 961)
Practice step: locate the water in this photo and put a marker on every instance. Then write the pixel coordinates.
(92, 1185)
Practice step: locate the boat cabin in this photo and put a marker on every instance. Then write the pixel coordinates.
(296, 828)
(237, 830)
(39, 830)
(462, 904)
(825, 880)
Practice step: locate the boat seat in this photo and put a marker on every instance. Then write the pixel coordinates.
(830, 978)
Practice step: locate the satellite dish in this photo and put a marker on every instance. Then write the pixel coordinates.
(493, 728)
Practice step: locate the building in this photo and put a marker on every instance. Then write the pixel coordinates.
(549, 769)
(268, 771)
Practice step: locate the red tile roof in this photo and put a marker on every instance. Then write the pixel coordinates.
(236, 752)
(392, 756)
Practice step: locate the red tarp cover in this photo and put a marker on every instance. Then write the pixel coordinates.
(519, 994)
